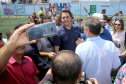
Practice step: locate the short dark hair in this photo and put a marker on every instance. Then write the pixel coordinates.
(66, 11)
(18, 25)
(93, 24)
(45, 17)
(105, 17)
(103, 10)
(41, 7)
(66, 67)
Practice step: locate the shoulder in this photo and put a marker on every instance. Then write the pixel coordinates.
(106, 32)
(83, 46)
(83, 35)
(110, 45)
(60, 29)
(48, 79)
(76, 25)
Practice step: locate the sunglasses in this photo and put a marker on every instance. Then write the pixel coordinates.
(72, 17)
(117, 24)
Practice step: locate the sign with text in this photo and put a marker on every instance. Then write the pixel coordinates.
(92, 9)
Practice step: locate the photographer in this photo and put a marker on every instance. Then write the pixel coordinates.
(66, 69)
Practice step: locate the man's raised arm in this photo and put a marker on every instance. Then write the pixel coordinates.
(19, 38)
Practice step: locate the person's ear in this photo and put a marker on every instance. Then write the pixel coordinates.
(88, 31)
(80, 75)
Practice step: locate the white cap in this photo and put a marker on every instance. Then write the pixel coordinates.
(100, 16)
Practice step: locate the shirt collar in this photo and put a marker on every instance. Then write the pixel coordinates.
(67, 29)
(93, 38)
(12, 60)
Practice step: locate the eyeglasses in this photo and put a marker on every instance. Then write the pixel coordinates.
(72, 17)
(117, 24)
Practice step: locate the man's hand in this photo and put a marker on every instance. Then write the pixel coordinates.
(51, 55)
(19, 37)
(94, 81)
(124, 54)
(79, 41)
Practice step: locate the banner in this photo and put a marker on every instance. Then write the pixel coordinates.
(92, 9)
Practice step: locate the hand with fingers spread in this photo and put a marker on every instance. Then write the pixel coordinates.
(79, 41)
(19, 37)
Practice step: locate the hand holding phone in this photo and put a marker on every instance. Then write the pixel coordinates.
(41, 31)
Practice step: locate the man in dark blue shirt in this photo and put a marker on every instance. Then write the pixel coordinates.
(67, 35)
(104, 35)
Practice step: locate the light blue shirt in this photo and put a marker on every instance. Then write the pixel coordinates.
(98, 57)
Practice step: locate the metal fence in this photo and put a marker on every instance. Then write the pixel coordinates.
(12, 14)
(76, 8)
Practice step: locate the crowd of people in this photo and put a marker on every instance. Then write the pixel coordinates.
(96, 48)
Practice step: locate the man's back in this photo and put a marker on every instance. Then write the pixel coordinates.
(98, 57)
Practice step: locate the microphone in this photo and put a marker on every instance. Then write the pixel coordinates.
(22, 62)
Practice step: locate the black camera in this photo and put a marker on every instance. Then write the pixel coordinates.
(84, 79)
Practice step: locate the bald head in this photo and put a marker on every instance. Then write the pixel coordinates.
(66, 67)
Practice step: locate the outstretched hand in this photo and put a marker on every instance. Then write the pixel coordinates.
(93, 80)
(19, 37)
(79, 41)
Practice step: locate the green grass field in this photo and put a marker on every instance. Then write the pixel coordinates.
(8, 23)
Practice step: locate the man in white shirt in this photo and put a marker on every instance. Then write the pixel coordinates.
(98, 56)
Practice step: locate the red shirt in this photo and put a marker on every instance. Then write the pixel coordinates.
(19, 73)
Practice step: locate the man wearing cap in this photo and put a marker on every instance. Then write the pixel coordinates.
(79, 22)
(104, 33)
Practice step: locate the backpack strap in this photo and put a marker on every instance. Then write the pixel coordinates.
(50, 41)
